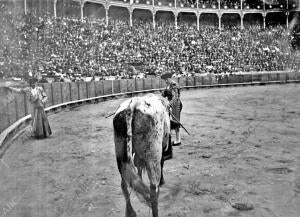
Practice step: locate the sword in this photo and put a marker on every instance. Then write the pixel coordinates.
(111, 114)
(180, 123)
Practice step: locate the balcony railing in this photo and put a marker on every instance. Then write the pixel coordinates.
(143, 2)
(278, 7)
(122, 1)
(168, 3)
(213, 4)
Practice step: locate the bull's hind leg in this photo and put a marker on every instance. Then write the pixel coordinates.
(139, 166)
(154, 191)
(154, 174)
(129, 210)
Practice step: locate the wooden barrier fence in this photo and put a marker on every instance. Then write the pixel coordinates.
(16, 106)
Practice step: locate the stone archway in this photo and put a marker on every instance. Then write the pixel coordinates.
(294, 17)
(208, 19)
(45, 6)
(187, 18)
(275, 19)
(16, 7)
(142, 16)
(118, 13)
(94, 10)
(253, 19)
(231, 20)
(165, 17)
(68, 8)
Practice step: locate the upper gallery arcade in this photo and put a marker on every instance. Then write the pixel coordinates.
(174, 10)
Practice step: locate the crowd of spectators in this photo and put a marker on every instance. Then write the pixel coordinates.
(69, 47)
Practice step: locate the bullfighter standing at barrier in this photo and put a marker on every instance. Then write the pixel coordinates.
(37, 98)
(172, 92)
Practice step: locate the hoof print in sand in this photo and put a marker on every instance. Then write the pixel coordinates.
(279, 170)
(242, 206)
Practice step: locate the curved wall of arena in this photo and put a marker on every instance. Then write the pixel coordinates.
(14, 108)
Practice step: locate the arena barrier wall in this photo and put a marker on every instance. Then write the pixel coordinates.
(130, 85)
(90, 86)
(116, 86)
(57, 93)
(147, 84)
(74, 91)
(155, 83)
(123, 86)
(298, 76)
(48, 91)
(99, 86)
(190, 81)
(15, 108)
(139, 84)
(107, 87)
(66, 92)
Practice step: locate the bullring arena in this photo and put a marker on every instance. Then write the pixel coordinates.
(249, 156)
(237, 64)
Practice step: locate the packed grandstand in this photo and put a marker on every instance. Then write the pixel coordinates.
(67, 48)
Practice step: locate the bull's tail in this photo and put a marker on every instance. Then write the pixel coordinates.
(128, 169)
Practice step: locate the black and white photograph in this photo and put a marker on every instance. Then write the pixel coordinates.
(149, 108)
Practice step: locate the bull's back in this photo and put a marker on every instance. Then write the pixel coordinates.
(149, 124)
(147, 112)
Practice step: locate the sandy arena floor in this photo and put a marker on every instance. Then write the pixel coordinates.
(244, 148)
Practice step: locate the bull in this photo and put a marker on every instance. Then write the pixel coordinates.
(141, 134)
